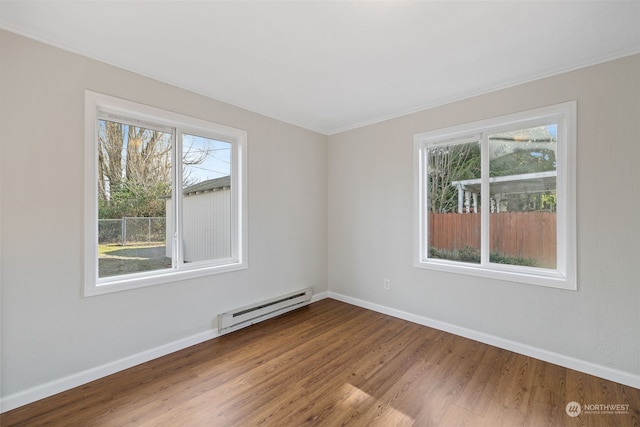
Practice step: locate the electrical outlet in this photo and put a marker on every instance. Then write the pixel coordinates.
(386, 284)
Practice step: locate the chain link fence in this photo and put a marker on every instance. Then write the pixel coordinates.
(132, 230)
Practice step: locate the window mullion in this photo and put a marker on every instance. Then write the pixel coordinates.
(235, 203)
(176, 200)
(485, 201)
(562, 196)
(424, 205)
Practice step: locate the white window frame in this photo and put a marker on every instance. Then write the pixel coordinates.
(100, 106)
(564, 276)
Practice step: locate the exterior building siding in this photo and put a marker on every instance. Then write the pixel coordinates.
(206, 219)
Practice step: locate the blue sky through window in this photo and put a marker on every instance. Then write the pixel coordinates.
(204, 159)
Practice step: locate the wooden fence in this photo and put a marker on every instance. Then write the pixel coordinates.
(515, 234)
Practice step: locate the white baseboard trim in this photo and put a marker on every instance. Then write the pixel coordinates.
(590, 368)
(318, 297)
(63, 384)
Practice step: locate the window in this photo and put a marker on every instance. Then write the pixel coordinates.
(165, 196)
(496, 198)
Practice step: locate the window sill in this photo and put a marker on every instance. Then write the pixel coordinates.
(529, 275)
(109, 285)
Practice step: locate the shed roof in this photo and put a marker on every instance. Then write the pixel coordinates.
(208, 185)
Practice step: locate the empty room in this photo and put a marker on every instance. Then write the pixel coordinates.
(283, 213)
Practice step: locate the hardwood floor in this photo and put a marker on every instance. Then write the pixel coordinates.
(333, 364)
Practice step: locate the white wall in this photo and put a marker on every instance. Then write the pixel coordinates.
(49, 331)
(371, 214)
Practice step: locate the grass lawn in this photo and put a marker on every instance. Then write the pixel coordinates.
(114, 259)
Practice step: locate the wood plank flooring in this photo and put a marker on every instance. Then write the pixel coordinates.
(334, 364)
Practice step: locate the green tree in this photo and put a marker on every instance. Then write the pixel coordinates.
(446, 164)
(134, 169)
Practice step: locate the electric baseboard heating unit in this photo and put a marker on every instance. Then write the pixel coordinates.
(245, 316)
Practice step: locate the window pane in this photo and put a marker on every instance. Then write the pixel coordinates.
(453, 187)
(134, 182)
(206, 202)
(522, 180)
(523, 151)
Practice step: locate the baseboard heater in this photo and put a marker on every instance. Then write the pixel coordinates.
(245, 316)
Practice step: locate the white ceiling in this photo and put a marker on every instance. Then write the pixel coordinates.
(332, 66)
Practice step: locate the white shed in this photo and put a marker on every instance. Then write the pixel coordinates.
(206, 218)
